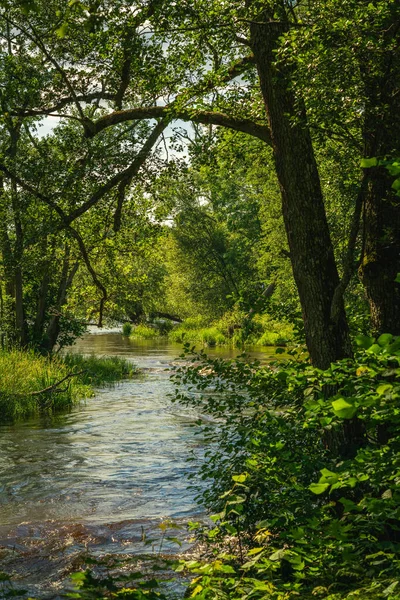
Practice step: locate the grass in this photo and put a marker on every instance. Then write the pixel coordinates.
(265, 331)
(24, 374)
(145, 332)
(208, 336)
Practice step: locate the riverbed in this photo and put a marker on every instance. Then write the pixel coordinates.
(102, 477)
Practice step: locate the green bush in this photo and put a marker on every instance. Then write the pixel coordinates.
(304, 472)
(127, 329)
(212, 337)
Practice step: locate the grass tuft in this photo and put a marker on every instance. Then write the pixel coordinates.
(24, 374)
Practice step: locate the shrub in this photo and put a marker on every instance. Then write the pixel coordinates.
(304, 472)
(127, 329)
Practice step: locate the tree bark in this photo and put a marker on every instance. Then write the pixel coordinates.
(381, 256)
(380, 72)
(311, 249)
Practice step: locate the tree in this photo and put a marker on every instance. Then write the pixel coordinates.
(203, 76)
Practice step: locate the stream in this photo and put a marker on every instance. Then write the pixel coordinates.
(102, 477)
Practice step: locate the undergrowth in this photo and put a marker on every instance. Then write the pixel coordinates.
(231, 330)
(304, 476)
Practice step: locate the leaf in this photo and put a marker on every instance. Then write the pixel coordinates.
(396, 184)
(366, 163)
(385, 339)
(318, 488)
(343, 408)
(254, 551)
(397, 280)
(387, 494)
(240, 478)
(390, 589)
(364, 341)
(384, 388)
(278, 555)
(61, 32)
(196, 591)
(375, 349)
(328, 476)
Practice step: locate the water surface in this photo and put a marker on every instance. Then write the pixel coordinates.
(100, 477)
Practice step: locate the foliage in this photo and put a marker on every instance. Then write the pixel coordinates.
(126, 329)
(100, 370)
(304, 474)
(145, 331)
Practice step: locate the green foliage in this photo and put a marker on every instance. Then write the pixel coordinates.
(100, 370)
(304, 472)
(145, 331)
(126, 329)
(23, 373)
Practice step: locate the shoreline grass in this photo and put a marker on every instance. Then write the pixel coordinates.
(31, 384)
(265, 331)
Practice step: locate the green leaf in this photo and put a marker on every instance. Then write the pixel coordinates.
(382, 389)
(328, 476)
(397, 280)
(385, 339)
(344, 408)
(364, 341)
(278, 555)
(318, 488)
(61, 32)
(390, 589)
(396, 184)
(255, 551)
(366, 163)
(375, 349)
(240, 478)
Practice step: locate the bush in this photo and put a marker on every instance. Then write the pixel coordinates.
(127, 329)
(304, 472)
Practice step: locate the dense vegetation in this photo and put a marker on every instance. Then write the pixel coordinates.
(233, 164)
(34, 385)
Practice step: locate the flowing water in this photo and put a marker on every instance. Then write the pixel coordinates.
(100, 478)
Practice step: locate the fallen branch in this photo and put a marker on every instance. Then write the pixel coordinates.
(55, 385)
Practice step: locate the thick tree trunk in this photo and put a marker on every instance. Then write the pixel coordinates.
(381, 256)
(311, 249)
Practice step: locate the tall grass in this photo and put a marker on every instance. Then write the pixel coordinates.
(24, 374)
(145, 332)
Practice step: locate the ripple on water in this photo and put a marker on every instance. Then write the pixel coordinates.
(95, 478)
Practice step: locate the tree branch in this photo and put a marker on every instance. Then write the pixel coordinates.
(350, 266)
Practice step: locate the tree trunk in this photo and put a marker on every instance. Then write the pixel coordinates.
(311, 249)
(66, 280)
(381, 256)
(21, 327)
